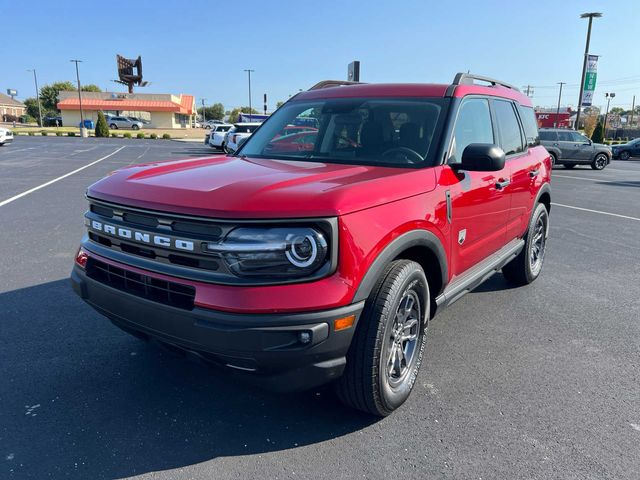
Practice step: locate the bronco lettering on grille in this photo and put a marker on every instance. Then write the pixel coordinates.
(143, 237)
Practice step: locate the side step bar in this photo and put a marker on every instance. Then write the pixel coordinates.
(479, 273)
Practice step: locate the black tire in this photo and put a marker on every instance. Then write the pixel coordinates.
(569, 166)
(600, 161)
(135, 127)
(624, 155)
(554, 159)
(387, 348)
(113, 126)
(526, 267)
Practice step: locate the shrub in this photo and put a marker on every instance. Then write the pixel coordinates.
(140, 135)
(153, 136)
(114, 135)
(598, 133)
(166, 136)
(31, 134)
(71, 134)
(58, 134)
(126, 135)
(102, 129)
(43, 133)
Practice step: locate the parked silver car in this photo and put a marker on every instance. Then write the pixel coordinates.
(124, 122)
(571, 148)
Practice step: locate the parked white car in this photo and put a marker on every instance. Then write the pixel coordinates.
(237, 133)
(218, 132)
(6, 136)
(124, 122)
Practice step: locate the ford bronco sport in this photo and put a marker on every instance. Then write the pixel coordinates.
(321, 258)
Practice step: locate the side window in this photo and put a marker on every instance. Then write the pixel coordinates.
(530, 125)
(548, 136)
(473, 125)
(509, 127)
(579, 138)
(565, 136)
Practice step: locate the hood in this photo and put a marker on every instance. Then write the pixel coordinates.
(233, 187)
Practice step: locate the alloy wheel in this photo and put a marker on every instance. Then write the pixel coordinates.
(403, 338)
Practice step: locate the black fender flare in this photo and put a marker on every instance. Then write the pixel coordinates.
(414, 238)
(556, 151)
(545, 188)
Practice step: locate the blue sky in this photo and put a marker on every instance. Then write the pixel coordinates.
(201, 48)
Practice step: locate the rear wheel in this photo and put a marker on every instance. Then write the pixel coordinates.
(386, 351)
(554, 159)
(600, 162)
(624, 155)
(526, 267)
(113, 126)
(135, 127)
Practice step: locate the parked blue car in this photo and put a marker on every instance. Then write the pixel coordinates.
(626, 150)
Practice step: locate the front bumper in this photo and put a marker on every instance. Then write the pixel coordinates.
(265, 348)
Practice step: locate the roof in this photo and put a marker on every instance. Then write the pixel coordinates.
(185, 106)
(7, 100)
(412, 90)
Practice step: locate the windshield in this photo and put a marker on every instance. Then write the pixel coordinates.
(368, 131)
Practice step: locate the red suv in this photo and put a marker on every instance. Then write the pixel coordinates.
(299, 267)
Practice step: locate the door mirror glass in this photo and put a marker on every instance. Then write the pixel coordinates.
(481, 157)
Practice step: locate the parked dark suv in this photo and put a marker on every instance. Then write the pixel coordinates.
(320, 257)
(571, 148)
(626, 150)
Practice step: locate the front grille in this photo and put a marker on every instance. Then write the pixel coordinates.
(161, 291)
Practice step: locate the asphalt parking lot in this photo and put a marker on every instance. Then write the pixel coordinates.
(537, 382)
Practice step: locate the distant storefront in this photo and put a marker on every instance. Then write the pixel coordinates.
(551, 119)
(11, 109)
(161, 110)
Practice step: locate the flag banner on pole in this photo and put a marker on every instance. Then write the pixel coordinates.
(590, 80)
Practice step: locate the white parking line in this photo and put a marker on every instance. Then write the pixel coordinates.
(20, 195)
(596, 211)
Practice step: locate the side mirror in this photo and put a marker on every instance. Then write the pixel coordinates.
(481, 157)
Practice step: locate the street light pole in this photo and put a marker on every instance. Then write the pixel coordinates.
(590, 16)
(606, 115)
(249, 73)
(204, 114)
(82, 129)
(35, 79)
(555, 124)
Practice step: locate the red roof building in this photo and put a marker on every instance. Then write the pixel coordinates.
(162, 110)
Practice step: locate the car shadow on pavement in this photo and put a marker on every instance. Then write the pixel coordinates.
(622, 183)
(81, 399)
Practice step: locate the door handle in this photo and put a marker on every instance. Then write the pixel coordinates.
(502, 183)
(534, 173)
(555, 144)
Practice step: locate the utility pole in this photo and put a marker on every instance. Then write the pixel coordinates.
(528, 90)
(558, 109)
(83, 131)
(590, 16)
(248, 70)
(204, 113)
(35, 79)
(633, 106)
(606, 115)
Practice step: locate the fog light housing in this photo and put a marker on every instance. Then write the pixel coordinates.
(304, 337)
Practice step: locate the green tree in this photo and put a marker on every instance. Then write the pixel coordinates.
(32, 107)
(598, 133)
(279, 104)
(90, 88)
(102, 129)
(617, 110)
(49, 94)
(213, 112)
(233, 115)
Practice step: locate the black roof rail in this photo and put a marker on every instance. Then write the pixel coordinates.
(469, 79)
(333, 83)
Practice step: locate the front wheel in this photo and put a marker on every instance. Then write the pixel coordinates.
(135, 127)
(554, 159)
(624, 155)
(386, 351)
(600, 162)
(526, 267)
(113, 126)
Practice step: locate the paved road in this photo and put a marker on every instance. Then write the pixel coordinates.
(537, 382)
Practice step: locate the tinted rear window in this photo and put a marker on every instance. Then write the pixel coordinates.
(530, 125)
(548, 136)
(245, 128)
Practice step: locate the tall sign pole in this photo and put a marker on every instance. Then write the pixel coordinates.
(590, 16)
(555, 124)
(248, 70)
(82, 129)
(35, 79)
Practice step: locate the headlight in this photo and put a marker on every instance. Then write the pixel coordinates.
(273, 252)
